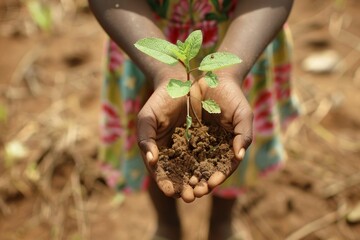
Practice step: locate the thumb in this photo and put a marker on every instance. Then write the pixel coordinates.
(240, 145)
(243, 126)
(149, 151)
(146, 136)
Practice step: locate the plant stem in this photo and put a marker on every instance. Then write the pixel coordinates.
(189, 105)
(194, 69)
(188, 95)
(188, 102)
(193, 110)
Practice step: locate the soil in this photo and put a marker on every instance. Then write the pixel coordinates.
(208, 150)
(50, 88)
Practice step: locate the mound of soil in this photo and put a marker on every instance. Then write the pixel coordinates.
(208, 150)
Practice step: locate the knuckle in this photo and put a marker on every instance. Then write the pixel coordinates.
(247, 140)
(141, 143)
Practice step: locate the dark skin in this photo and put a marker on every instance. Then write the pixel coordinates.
(254, 26)
(255, 23)
(161, 114)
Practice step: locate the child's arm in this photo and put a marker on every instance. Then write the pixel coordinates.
(127, 21)
(254, 26)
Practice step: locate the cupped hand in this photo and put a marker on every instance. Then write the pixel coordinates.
(156, 122)
(236, 117)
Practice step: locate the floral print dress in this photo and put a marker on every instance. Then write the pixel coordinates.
(125, 90)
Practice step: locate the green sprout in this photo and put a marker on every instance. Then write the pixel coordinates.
(184, 52)
(40, 13)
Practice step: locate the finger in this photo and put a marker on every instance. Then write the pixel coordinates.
(239, 148)
(201, 189)
(216, 179)
(166, 187)
(243, 129)
(187, 194)
(164, 183)
(150, 151)
(193, 181)
(146, 135)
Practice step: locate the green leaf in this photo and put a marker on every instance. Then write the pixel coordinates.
(190, 48)
(180, 44)
(188, 125)
(181, 55)
(40, 13)
(178, 88)
(211, 79)
(159, 49)
(193, 44)
(211, 106)
(218, 60)
(188, 121)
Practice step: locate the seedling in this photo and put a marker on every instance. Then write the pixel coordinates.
(184, 52)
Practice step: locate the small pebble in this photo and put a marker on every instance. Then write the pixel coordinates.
(321, 62)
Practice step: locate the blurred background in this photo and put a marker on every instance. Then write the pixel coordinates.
(50, 81)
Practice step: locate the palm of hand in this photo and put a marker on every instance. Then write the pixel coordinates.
(235, 116)
(161, 114)
(156, 122)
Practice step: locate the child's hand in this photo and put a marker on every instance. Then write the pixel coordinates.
(157, 120)
(236, 116)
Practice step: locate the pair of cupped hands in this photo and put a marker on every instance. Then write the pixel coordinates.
(161, 114)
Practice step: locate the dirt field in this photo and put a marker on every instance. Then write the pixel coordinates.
(49, 104)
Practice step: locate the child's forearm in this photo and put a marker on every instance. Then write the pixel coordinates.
(126, 22)
(255, 24)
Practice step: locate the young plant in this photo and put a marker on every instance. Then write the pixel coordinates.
(184, 52)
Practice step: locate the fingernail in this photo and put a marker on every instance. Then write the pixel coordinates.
(149, 157)
(242, 153)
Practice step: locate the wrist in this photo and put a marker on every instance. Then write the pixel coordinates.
(226, 75)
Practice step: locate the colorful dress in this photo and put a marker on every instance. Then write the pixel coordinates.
(267, 87)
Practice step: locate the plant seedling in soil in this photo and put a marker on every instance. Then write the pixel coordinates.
(202, 146)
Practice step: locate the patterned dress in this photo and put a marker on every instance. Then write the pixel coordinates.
(125, 90)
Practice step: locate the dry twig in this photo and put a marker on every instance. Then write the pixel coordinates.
(262, 226)
(318, 224)
(79, 206)
(339, 186)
